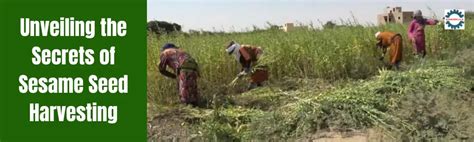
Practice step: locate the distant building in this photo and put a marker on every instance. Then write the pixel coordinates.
(288, 27)
(394, 15)
(291, 27)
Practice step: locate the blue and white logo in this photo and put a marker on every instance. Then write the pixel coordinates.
(454, 19)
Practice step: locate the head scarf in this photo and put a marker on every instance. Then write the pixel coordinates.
(167, 45)
(418, 13)
(377, 34)
(234, 48)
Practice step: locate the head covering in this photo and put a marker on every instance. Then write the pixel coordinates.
(233, 48)
(168, 45)
(259, 52)
(377, 34)
(418, 13)
(230, 44)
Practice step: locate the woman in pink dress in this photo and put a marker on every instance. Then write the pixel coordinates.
(416, 32)
(185, 70)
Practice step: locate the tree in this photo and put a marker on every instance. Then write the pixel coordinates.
(273, 27)
(329, 25)
(160, 27)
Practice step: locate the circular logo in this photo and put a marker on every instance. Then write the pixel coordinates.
(454, 19)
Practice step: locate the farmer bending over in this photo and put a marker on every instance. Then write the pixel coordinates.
(393, 41)
(248, 56)
(185, 68)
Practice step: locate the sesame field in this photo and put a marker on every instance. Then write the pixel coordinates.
(324, 84)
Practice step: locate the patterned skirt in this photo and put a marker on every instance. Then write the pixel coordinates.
(187, 85)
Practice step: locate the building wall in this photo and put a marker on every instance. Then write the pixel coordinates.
(407, 16)
(288, 27)
(394, 15)
(380, 19)
(393, 9)
(398, 17)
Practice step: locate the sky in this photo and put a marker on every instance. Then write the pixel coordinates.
(241, 15)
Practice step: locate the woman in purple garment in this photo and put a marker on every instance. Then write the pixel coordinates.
(185, 70)
(416, 32)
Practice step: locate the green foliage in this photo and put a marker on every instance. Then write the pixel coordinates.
(366, 103)
(229, 124)
(327, 80)
(469, 15)
(439, 115)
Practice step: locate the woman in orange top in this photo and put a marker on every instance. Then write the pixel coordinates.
(394, 42)
(248, 56)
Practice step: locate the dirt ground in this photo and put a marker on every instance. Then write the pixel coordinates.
(169, 126)
(356, 136)
(174, 126)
